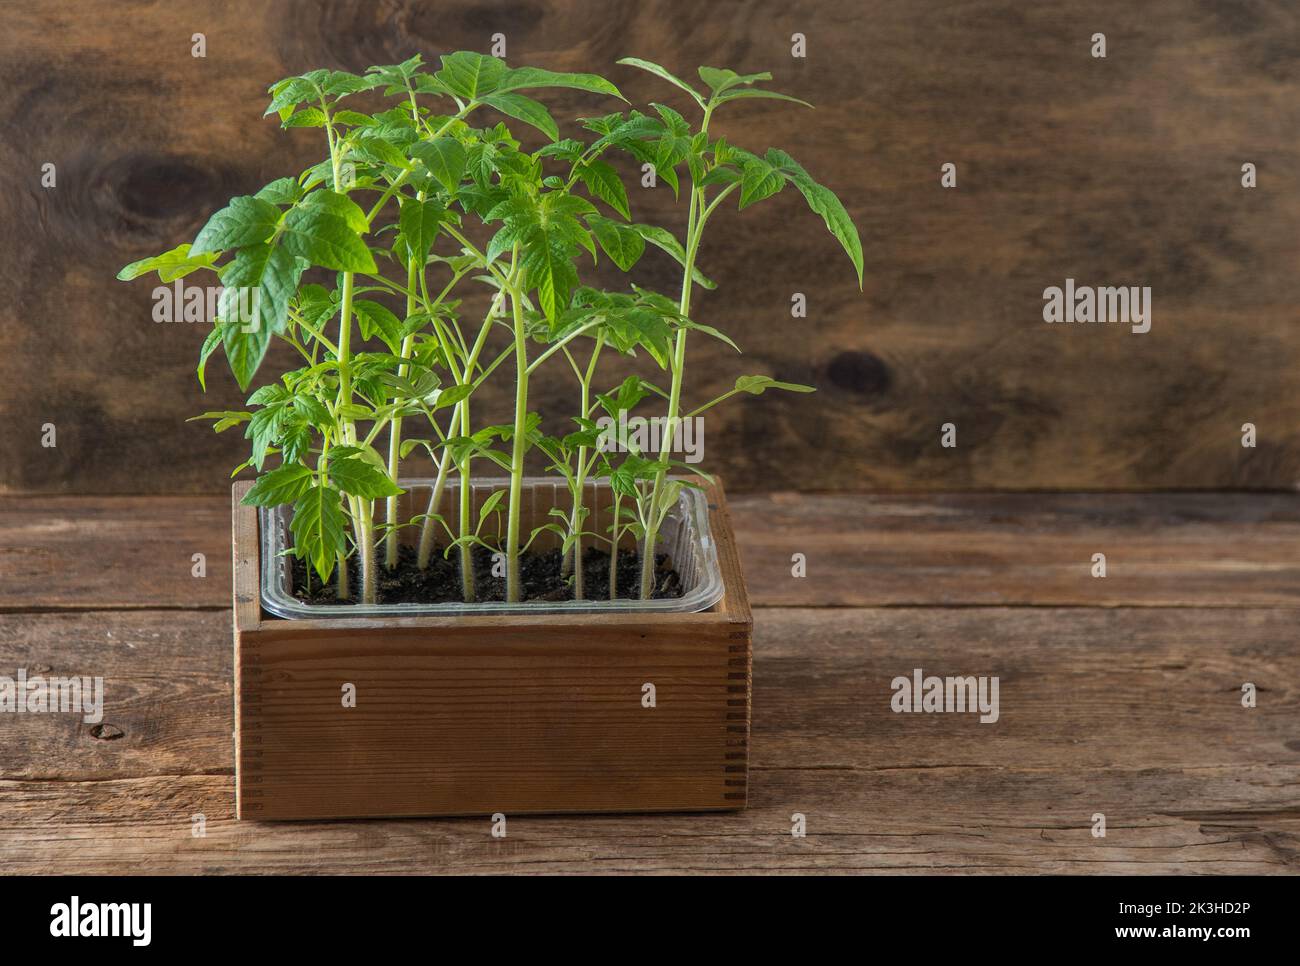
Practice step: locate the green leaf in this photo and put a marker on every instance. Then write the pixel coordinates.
(428, 84)
(550, 269)
(661, 72)
(397, 73)
(523, 78)
(525, 109)
(675, 145)
(307, 117)
(363, 451)
(622, 244)
(341, 205)
(375, 319)
(381, 150)
(281, 191)
(452, 395)
(316, 303)
(325, 239)
(603, 182)
(710, 330)
(627, 329)
(222, 415)
(505, 239)
(568, 149)
(289, 92)
(756, 92)
(419, 221)
(359, 478)
(491, 503)
(241, 348)
(759, 180)
(272, 393)
(445, 159)
(757, 385)
(282, 485)
(209, 346)
(662, 238)
(254, 302)
(471, 75)
(722, 174)
(629, 392)
(343, 82)
(170, 266)
(223, 420)
(245, 221)
(322, 173)
(721, 79)
(822, 201)
(264, 429)
(353, 118)
(410, 443)
(317, 527)
(355, 412)
(312, 409)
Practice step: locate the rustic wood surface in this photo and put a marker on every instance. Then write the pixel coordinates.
(1162, 549)
(1114, 172)
(1126, 703)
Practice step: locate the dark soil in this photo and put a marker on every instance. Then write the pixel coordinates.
(542, 580)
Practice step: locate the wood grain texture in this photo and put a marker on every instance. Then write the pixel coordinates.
(1117, 171)
(1162, 549)
(475, 715)
(1132, 712)
(1028, 549)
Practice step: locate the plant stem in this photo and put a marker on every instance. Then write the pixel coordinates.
(577, 520)
(698, 216)
(345, 356)
(369, 577)
(395, 430)
(556, 347)
(460, 417)
(468, 590)
(674, 398)
(344, 591)
(615, 533)
(520, 445)
(426, 531)
(362, 521)
(362, 517)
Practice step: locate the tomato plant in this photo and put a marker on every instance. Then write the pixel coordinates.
(416, 206)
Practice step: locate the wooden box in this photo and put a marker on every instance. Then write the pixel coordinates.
(483, 714)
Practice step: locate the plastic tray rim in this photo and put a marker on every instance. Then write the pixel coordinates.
(276, 599)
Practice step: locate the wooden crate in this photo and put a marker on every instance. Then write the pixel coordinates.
(478, 715)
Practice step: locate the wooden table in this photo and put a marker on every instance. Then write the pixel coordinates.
(1120, 695)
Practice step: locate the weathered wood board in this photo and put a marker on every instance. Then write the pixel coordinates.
(1162, 550)
(1117, 171)
(1130, 712)
(1133, 711)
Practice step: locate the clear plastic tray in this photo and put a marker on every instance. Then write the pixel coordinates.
(685, 537)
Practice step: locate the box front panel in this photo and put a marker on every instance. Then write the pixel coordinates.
(453, 721)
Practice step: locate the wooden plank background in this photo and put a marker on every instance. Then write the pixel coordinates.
(1117, 171)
